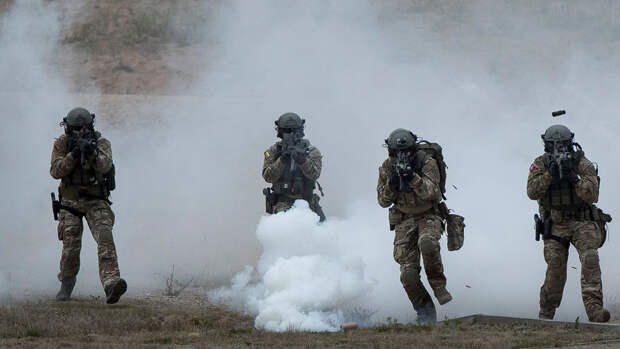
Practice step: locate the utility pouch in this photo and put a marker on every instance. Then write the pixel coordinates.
(456, 231)
(395, 217)
(601, 218)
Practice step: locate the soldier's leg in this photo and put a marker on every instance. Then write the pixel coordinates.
(282, 205)
(406, 254)
(556, 256)
(100, 220)
(587, 239)
(430, 229)
(70, 231)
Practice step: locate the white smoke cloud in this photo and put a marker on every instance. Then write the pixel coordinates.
(308, 276)
(33, 98)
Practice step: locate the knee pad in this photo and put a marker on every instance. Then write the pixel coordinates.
(105, 236)
(590, 259)
(410, 277)
(428, 244)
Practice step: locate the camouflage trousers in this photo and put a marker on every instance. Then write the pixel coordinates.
(586, 237)
(100, 219)
(419, 237)
(283, 205)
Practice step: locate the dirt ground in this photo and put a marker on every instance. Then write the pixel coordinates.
(190, 321)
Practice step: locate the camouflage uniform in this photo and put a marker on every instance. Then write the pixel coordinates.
(278, 172)
(418, 227)
(573, 223)
(81, 190)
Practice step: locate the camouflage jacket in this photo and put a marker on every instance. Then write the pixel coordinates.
(64, 166)
(273, 167)
(539, 181)
(425, 193)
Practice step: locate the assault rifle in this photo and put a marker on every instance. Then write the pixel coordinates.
(292, 143)
(562, 155)
(404, 171)
(87, 143)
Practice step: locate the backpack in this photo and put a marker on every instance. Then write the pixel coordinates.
(434, 150)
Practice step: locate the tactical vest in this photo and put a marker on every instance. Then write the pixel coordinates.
(561, 195)
(82, 181)
(293, 184)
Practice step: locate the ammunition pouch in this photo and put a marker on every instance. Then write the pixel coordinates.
(456, 231)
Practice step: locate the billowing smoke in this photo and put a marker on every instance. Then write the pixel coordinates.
(480, 78)
(33, 98)
(308, 275)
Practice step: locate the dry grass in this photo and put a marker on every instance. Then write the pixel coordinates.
(162, 322)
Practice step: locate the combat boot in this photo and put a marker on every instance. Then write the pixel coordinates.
(115, 290)
(546, 314)
(66, 287)
(427, 315)
(443, 296)
(601, 315)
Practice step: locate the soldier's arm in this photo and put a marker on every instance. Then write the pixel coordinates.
(538, 180)
(426, 184)
(272, 166)
(386, 196)
(62, 162)
(587, 185)
(312, 167)
(103, 156)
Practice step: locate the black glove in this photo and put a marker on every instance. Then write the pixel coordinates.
(569, 174)
(394, 180)
(554, 169)
(76, 152)
(87, 146)
(300, 157)
(285, 157)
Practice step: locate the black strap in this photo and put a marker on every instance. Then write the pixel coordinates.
(563, 241)
(72, 210)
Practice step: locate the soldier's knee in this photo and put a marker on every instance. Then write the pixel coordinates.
(410, 276)
(105, 235)
(428, 244)
(590, 259)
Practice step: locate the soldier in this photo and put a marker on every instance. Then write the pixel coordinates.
(409, 182)
(566, 185)
(82, 160)
(293, 166)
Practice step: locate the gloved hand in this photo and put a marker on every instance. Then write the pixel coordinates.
(300, 157)
(76, 152)
(394, 180)
(285, 157)
(554, 169)
(87, 146)
(569, 174)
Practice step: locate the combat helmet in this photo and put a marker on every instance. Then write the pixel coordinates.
(401, 139)
(78, 118)
(558, 133)
(289, 122)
